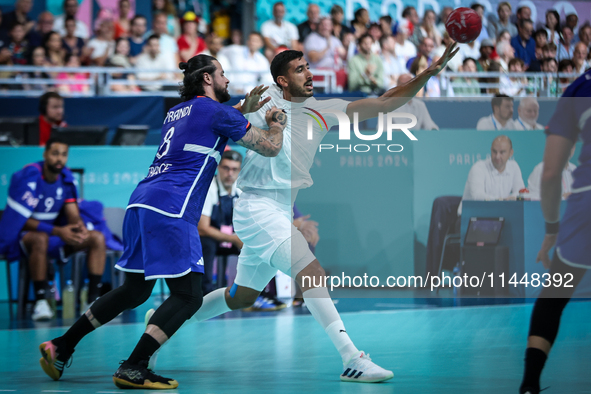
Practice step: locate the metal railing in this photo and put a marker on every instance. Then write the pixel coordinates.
(116, 81)
(538, 84)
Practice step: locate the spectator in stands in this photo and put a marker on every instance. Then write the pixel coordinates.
(425, 48)
(168, 45)
(565, 66)
(528, 112)
(19, 47)
(137, 30)
(445, 11)
(471, 49)
(541, 39)
(505, 36)
(3, 34)
(366, 71)
(236, 49)
(552, 26)
(502, 22)
(339, 29)
(506, 53)
(404, 47)
(487, 48)
(277, 31)
(523, 42)
(71, 9)
(189, 43)
(411, 17)
(322, 49)
(41, 191)
(360, 22)
(418, 108)
(72, 61)
(167, 8)
(427, 29)
(253, 63)
(514, 86)
(523, 13)
(101, 47)
(375, 31)
(51, 108)
(549, 65)
(394, 65)
(214, 45)
(456, 62)
(549, 50)
(44, 25)
(121, 59)
(54, 49)
(585, 35)
(580, 58)
(431, 89)
(151, 63)
(549, 88)
(123, 23)
(20, 15)
(38, 59)
(497, 178)
(501, 117)
(311, 24)
(534, 182)
(385, 23)
(472, 88)
(566, 49)
(479, 9)
(572, 21)
(72, 44)
(215, 226)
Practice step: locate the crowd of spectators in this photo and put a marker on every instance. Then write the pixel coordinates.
(365, 55)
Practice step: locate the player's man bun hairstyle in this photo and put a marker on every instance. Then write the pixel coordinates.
(280, 63)
(193, 80)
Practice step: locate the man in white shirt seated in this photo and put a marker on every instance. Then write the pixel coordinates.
(214, 45)
(528, 113)
(215, 226)
(416, 107)
(394, 65)
(250, 66)
(70, 9)
(277, 31)
(502, 116)
(168, 45)
(153, 65)
(497, 178)
(322, 49)
(534, 181)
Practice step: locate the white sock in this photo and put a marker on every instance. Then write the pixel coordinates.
(214, 304)
(322, 308)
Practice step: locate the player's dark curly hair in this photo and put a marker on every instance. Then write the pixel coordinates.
(280, 63)
(193, 80)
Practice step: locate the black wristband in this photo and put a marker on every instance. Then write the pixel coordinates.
(552, 228)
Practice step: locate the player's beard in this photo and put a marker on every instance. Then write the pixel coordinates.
(221, 94)
(300, 91)
(53, 169)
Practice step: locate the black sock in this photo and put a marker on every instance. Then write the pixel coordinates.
(534, 363)
(39, 287)
(79, 330)
(143, 350)
(94, 287)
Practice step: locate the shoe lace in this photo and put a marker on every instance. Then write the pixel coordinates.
(365, 356)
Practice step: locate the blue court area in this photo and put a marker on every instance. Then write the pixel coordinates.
(430, 348)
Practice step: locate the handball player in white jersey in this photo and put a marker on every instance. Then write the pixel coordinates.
(263, 213)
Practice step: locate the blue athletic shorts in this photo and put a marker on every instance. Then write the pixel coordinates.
(574, 238)
(159, 246)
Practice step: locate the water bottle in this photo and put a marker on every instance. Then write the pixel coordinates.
(68, 301)
(51, 297)
(84, 297)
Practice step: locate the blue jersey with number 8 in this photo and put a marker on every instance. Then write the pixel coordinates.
(194, 136)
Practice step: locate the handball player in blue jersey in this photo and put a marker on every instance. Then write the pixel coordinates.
(160, 227)
(572, 234)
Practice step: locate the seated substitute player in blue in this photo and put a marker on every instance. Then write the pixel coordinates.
(160, 226)
(39, 194)
(572, 257)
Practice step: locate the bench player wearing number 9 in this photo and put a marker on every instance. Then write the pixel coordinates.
(160, 226)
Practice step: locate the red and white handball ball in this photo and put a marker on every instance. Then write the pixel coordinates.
(463, 25)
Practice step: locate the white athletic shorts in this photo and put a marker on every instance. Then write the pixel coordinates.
(265, 226)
